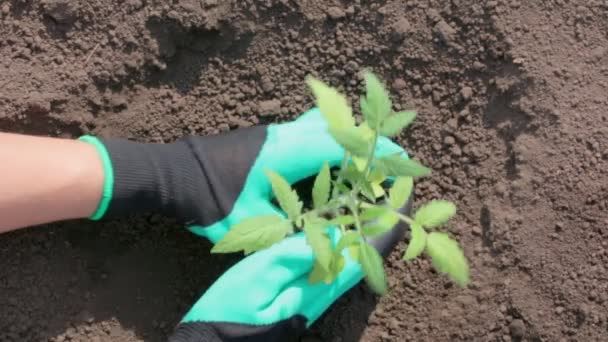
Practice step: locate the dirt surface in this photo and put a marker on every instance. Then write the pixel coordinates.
(512, 99)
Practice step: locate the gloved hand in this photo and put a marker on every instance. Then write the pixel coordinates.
(209, 183)
(267, 297)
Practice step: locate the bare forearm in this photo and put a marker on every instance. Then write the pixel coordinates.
(47, 179)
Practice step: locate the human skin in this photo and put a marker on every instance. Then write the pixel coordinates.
(46, 180)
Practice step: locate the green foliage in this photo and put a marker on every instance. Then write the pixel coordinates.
(376, 106)
(396, 123)
(400, 192)
(321, 189)
(332, 104)
(253, 234)
(288, 199)
(447, 257)
(396, 165)
(417, 243)
(371, 262)
(318, 239)
(359, 204)
(435, 213)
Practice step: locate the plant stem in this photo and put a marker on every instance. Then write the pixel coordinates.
(404, 218)
(340, 178)
(370, 158)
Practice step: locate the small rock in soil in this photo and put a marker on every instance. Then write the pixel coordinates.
(466, 93)
(446, 32)
(270, 107)
(61, 11)
(399, 84)
(517, 328)
(336, 12)
(267, 84)
(401, 28)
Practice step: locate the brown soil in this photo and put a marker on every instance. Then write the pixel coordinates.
(512, 99)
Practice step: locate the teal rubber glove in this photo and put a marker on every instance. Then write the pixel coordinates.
(267, 296)
(295, 150)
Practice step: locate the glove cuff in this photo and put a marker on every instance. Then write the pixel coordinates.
(147, 177)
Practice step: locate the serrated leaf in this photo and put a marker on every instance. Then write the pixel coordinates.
(447, 257)
(378, 104)
(288, 199)
(372, 212)
(348, 239)
(337, 265)
(318, 240)
(374, 230)
(373, 267)
(396, 123)
(333, 105)
(367, 111)
(321, 188)
(435, 213)
(417, 243)
(395, 165)
(254, 234)
(318, 274)
(400, 192)
(351, 140)
(344, 219)
(385, 220)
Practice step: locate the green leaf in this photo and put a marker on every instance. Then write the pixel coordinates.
(373, 267)
(354, 252)
(318, 239)
(447, 257)
(378, 190)
(321, 188)
(318, 274)
(348, 239)
(351, 139)
(367, 190)
(337, 265)
(373, 212)
(344, 219)
(374, 230)
(396, 123)
(417, 243)
(400, 191)
(333, 105)
(288, 199)
(435, 213)
(254, 234)
(395, 165)
(378, 104)
(368, 112)
(385, 220)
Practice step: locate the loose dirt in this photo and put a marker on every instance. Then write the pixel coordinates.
(512, 99)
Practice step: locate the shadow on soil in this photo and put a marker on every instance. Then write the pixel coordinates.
(144, 275)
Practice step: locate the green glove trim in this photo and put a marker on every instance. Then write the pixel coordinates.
(108, 171)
